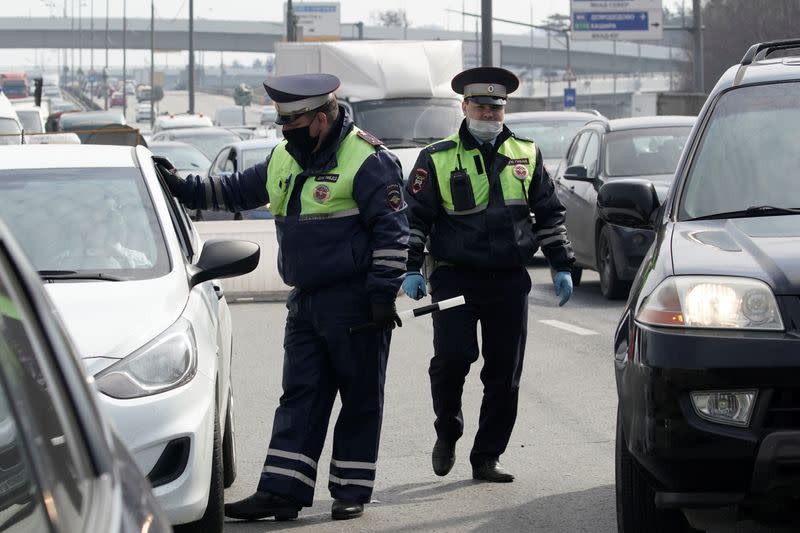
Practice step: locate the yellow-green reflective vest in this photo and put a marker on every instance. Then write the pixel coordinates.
(487, 222)
(515, 177)
(327, 195)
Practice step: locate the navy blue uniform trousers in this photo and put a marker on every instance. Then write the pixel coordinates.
(321, 358)
(499, 300)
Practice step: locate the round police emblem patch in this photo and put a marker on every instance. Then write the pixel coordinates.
(520, 172)
(322, 193)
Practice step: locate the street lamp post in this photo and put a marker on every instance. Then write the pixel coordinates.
(190, 74)
(152, 63)
(72, 50)
(124, 58)
(91, 44)
(486, 33)
(105, 70)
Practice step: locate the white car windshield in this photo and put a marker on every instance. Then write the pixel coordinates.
(748, 153)
(85, 221)
(552, 137)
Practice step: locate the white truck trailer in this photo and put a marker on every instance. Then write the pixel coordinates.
(397, 90)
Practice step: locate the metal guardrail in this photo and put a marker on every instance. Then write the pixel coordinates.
(83, 100)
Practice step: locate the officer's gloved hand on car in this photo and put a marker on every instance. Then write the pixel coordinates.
(170, 175)
(414, 285)
(384, 315)
(562, 282)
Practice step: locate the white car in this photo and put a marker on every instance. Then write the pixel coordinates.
(173, 122)
(142, 112)
(136, 287)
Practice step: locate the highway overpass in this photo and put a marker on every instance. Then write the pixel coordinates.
(260, 37)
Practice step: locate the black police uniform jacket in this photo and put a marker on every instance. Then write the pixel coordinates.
(316, 252)
(497, 233)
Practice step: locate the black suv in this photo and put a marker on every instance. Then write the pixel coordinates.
(707, 352)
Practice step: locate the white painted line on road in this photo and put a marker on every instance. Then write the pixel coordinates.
(568, 327)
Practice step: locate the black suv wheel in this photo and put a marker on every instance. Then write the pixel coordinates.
(636, 505)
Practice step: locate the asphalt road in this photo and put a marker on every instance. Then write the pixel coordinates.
(178, 102)
(562, 449)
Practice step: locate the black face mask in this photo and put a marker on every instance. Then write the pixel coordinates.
(300, 139)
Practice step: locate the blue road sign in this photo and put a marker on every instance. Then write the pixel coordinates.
(618, 21)
(570, 97)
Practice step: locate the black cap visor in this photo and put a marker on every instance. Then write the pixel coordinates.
(490, 100)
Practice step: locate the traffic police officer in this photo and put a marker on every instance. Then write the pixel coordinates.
(470, 200)
(336, 194)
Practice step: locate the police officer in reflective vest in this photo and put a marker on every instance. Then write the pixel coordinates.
(471, 196)
(336, 194)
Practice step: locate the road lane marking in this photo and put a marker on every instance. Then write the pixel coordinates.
(568, 327)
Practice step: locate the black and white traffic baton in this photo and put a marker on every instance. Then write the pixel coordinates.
(418, 311)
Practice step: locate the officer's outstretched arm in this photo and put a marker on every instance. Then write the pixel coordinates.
(422, 194)
(378, 192)
(238, 192)
(549, 212)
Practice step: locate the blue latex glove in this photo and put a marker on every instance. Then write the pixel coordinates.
(414, 285)
(563, 284)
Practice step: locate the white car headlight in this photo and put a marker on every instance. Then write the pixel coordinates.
(714, 302)
(166, 362)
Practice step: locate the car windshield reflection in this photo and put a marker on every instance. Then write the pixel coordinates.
(90, 220)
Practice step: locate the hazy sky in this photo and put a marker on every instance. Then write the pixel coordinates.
(419, 13)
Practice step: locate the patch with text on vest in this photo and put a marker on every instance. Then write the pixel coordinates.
(327, 178)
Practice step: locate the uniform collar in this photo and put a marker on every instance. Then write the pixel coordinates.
(325, 158)
(471, 143)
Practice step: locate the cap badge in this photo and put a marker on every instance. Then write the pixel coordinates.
(490, 88)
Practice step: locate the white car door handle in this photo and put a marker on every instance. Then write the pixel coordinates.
(219, 290)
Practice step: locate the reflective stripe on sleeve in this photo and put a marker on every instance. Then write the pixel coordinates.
(418, 233)
(550, 240)
(391, 264)
(402, 254)
(550, 231)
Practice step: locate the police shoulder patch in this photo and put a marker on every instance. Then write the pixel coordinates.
(394, 197)
(370, 138)
(440, 146)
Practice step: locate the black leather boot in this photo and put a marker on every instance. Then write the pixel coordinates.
(443, 457)
(490, 470)
(263, 505)
(345, 510)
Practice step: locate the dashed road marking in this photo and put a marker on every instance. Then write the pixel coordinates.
(569, 327)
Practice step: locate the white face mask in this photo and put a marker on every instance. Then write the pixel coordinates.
(484, 130)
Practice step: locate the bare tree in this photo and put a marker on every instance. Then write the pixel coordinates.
(391, 17)
(731, 26)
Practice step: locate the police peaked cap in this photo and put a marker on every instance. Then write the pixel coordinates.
(299, 93)
(485, 85)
